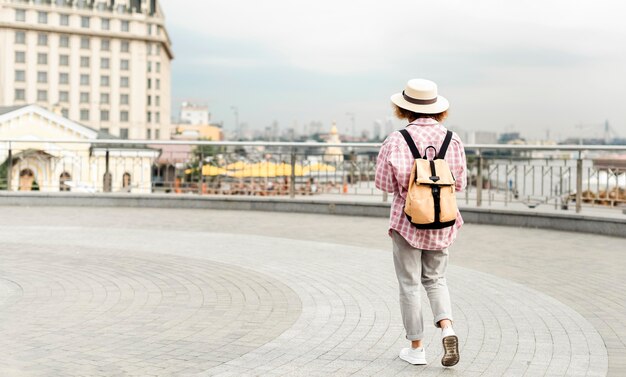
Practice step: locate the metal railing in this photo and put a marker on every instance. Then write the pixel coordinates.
(504, 175)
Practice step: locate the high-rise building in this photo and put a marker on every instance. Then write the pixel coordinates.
(102, 63)
(194, 114)
(195, 124)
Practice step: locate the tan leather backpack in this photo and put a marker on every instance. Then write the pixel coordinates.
(430, 200)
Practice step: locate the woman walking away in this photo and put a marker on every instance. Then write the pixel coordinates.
(421, 255)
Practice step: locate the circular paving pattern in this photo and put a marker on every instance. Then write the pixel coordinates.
(78, 301)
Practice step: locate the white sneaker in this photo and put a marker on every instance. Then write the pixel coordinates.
(415, 356)
(450, 347)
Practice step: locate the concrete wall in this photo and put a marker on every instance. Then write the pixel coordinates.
(610, 226)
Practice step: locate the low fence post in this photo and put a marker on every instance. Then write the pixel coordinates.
(579, 182)
(479, 180)
(9, 167)
(201, 187)
(108, 180)
(353, 179)
(292, 181)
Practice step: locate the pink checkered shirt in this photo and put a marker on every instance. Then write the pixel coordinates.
(393, 170)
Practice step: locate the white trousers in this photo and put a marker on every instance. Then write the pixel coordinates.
(414, 268)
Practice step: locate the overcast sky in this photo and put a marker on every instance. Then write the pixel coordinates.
(529, 66)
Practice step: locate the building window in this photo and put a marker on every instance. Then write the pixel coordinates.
(84, 97)
(42, 17)
(64, 78)
(149, 116)
(148, 134)
(123, 116)
(64, 60)
(124, 82)
(20, 75)
(149, 66)
(124, 99)
(157, 117)
(20, 94)
(84, 43)
(125, 26)
(124, 133)
(20, 15)
(65, 112)
(105, 45)
(64, 41)
(20, 57)
(104, 98)
(125, 46)
(105, 24)
(64, 96)
(124, 64)
(84, 21)
(84, 79)
(104, 115)
(158, 67)
(158, 100)
(42, 58)
(149, 29)
(158, 83)
(42, 95)
(157, 134)
(104, 80)
(157, 49)
(20, 37)
(64, 20)
(42, 39)
(84, 114)
(149, 84)
(149, 100)
(104, 63)
(42, 77)
(105, 130)
(84, 61)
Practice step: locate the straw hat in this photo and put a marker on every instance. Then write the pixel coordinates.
(420, 96)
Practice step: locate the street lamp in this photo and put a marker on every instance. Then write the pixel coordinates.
(351, 115)
(235, 110)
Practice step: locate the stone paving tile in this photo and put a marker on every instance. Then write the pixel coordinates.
(139, 300)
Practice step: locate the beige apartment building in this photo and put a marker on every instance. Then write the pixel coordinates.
(102, 63)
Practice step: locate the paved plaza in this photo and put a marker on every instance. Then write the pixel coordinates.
(173, 292)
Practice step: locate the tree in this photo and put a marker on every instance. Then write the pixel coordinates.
(203, 155)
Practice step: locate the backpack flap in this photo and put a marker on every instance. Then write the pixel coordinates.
(419, 203)
(423, 173)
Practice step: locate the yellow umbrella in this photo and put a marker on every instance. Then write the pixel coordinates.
(321, 167)
(254, 170)
(285, 169)
(212, 170)
(236, 165)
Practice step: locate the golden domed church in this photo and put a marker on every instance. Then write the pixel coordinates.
(333, 154)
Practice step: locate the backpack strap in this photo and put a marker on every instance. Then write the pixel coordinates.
(411, 144)
(444, 146)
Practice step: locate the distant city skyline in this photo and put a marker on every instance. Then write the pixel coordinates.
(532, 67)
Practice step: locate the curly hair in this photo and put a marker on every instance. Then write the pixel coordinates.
(411, 116)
